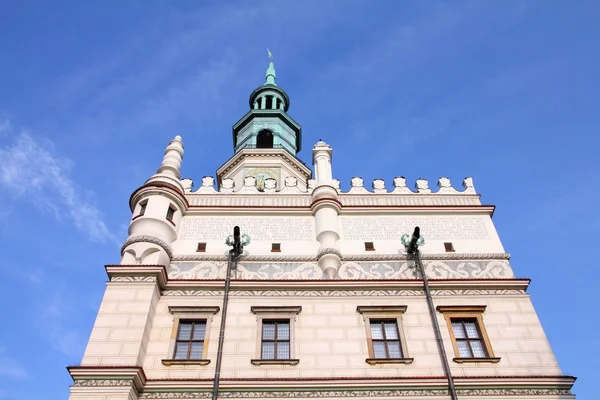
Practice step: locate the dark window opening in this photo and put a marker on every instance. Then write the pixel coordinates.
(201, 247)
(449, 247)
(386, 339)
(264, 140)
(143, 208)
(275, 342)
(468, 338)
(170, 213)
(369, 246)
(279, 104)
(275, 247)
(269, 102)
(190, 340)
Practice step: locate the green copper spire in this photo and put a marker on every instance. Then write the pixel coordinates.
(270, 77)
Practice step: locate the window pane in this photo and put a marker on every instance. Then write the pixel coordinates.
(394, 349)
(379, 350)
(268, 351)
(463, 348)
(471, 328)
(376, 330)
(181, 350)
(199, 330)
(459, 333)
(478, 349)
(196, 353)
(268, 332)
(283, 350)
(283, 330)
(185, 330)
(391, 332)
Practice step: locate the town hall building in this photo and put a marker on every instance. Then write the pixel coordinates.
(269, 281)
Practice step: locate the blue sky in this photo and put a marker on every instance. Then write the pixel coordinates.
(91, 93)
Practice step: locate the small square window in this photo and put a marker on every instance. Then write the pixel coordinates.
(369, 246)
(201, 247)
(170, 213)
(190, 340)
(275, 247)
(449, 247)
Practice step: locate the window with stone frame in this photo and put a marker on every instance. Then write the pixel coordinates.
(384, 332)
(468, 334)
(275, 342)
(385, 338)
(190, 340)
(275, 334)
(189, 337)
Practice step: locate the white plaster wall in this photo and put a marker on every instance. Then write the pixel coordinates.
(331, 338)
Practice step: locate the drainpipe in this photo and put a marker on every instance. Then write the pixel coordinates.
(232, 259)
(413, 249)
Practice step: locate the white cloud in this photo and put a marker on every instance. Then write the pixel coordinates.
(30, 169)
(9, 368)
(53, 316)
(5, 127)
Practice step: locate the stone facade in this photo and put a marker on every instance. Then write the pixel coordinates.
(328, 263)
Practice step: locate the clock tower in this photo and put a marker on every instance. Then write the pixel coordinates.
(266, 141)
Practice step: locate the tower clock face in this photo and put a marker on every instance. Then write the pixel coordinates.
(263, 173)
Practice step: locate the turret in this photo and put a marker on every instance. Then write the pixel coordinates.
(267, 124)
(157, 208)
(326, 208)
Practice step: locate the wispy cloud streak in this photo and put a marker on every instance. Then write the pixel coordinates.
(10, 369)
(31, 170)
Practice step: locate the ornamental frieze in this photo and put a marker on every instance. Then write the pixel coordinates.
(343, 293)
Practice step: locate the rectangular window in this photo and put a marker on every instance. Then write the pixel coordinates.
(369, 246)
(275, 247)
(190, 340)
(385, 339)
(384, 333)
(143, 208)
(275, 340)
(170, 213)
(467, 331)
(449, 247)
(201, 247)
(468, 338)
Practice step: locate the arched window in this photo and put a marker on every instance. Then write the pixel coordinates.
(264, 140)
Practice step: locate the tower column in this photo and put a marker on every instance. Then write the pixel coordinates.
(263, 102)
(326, 208)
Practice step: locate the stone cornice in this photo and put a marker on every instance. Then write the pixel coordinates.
(350, 257)
(346, 285)
(149, 239)
(158, 187)
(240, 156)
(159, 272)
(108, 376)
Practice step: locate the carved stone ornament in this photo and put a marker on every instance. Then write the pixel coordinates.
(336, 184)
(103, 382)
(270, 185)
(208, 181)
(379, 186)
(329, 250)
(422, 186)
(344, 293)
(357, 182)
(468, 185)
(133, 279)
(227, 185)
(291, 181)
(187, 185)
(399, 182)
(445, 186)
(312, 184)
(484, 393)
(148, 239)
(250, 181)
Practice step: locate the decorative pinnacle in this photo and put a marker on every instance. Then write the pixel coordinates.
(270, 77)
(171, 163)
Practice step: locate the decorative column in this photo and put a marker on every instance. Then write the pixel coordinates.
(326, 208)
